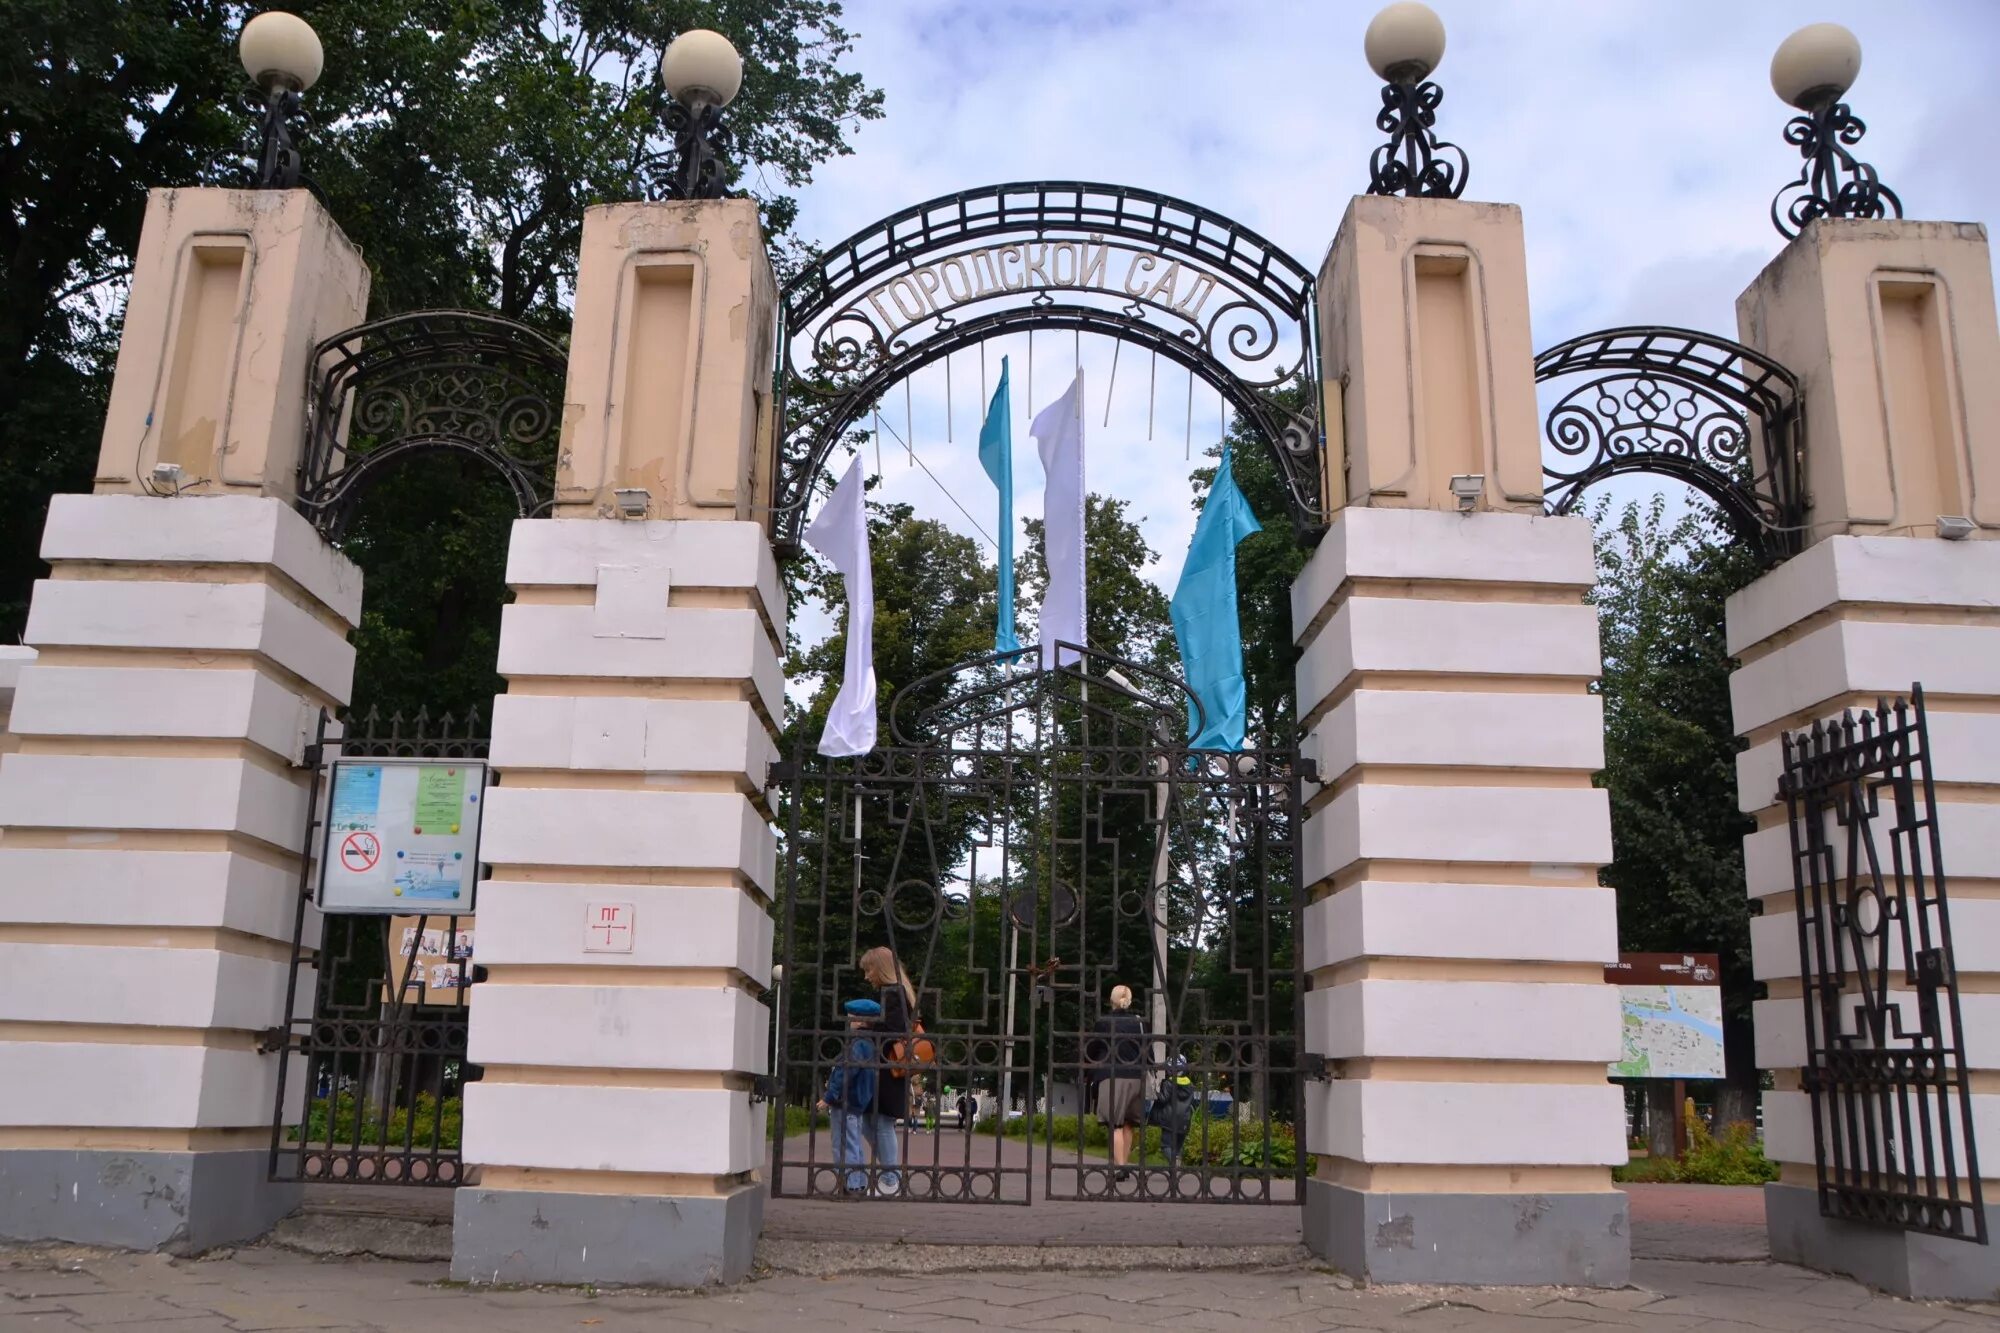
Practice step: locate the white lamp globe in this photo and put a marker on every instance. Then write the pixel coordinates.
(1405, 42)
(1815, 65)
(281, 50)
(701, 68)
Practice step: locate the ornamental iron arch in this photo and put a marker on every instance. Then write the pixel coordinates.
(1144, 268)
(1721, 417)
(434, 380)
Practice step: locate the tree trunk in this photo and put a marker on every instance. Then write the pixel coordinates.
(1660, 1116)
(1736, 1095)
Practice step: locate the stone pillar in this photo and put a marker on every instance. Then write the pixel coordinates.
(1890, 327)
(12, 658)
(614, 1126)
(1456, 934)
(152, 816)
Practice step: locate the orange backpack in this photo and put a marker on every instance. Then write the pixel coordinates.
(919, 1049)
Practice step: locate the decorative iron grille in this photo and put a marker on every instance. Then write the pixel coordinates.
(451, 380)
(1719, 416)
(369, 1091)
(1030, 839)
(1885, 1045)
(1168, 276)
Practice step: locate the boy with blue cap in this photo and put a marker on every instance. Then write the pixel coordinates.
(850, 1093)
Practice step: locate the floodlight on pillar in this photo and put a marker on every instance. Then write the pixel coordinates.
(1812, 70)
(702, 73)
(1404, 43)
(282, 55)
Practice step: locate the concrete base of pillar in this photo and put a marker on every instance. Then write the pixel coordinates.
(610, 1239)
(1899, 1262)
(1489, 1240)
(183, 1202)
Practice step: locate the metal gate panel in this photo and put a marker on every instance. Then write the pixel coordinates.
(369, 1089)
(1885, 1065)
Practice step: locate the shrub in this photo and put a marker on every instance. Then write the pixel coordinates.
(344, 1119)
(1735, 1158)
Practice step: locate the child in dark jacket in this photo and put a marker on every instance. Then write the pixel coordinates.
(850, 1093)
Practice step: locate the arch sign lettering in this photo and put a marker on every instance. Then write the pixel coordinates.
(1165, 275)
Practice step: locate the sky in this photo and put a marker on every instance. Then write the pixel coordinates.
(1641, 140)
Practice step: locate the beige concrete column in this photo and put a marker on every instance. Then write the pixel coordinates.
(614, 1125)
(152, 816)
(1890, 327)
(1456, 934)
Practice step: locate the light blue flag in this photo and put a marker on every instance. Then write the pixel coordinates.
(996, 455)
(1204, 609)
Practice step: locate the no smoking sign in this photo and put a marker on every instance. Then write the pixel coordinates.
(359, 852)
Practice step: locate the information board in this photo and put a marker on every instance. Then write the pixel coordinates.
(402, 836)
(1673, 1015)
(431, 966)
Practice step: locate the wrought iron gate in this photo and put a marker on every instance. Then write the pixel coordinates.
(1885, 1061)
(373, 1095)
(1029, 840)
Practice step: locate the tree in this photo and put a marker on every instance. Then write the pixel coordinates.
(1670, 753)
(457, 142)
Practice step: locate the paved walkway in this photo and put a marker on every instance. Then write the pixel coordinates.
(269, 1289)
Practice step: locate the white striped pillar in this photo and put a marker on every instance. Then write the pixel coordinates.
(152, 822)
(190, 631)
(1456, 934)
(626, 928)
(1891, 329)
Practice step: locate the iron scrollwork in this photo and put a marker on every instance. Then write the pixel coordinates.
(1143, 268)
(434, 380)
(278, 158)
(701, 151)
(1719, 416)
(1415, 161)
(1885, 1042)
(1834, 183)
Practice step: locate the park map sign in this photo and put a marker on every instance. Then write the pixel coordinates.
(402, 836)
(1673, 1015)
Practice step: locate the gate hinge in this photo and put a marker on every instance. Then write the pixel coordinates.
(273, 1039)
(780, 770)
(1307, 768)
(764, 1088)
(1318, 1068)
(469, 1072)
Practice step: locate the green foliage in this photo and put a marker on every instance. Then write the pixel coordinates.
(345, 1117)
(1670, 746)
(797, 1120)
(458, 143)
(1735, 1157)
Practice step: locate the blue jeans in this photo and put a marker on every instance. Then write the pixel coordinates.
(882, 1135)
(847, 1150)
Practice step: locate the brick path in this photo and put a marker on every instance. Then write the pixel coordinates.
(268, 1289)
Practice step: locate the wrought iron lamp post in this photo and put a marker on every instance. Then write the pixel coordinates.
(1812, 70)
(282, 55)
(1404, 43)
(702, 73)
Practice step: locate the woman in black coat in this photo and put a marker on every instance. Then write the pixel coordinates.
(892, 1088)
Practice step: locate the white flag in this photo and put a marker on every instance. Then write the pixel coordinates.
(840, 533)
(1058, 432)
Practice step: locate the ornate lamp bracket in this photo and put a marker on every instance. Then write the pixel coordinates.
(1833, 183)
(278, 159)
(701, 152)
(1414, 161)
